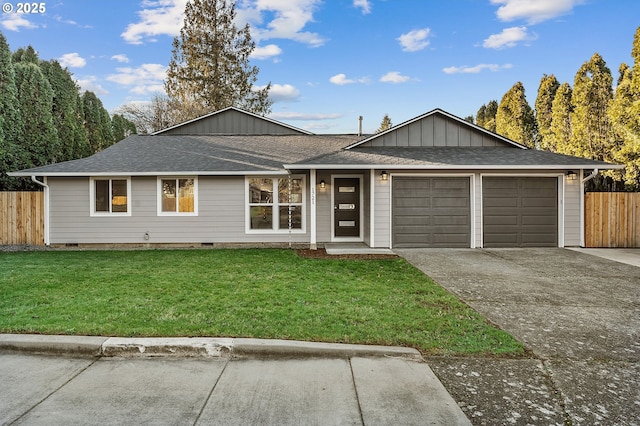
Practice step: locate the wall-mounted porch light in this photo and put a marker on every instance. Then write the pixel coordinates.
(323, 184)
(571, 175)
(384, 175)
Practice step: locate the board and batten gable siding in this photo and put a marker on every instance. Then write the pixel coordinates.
(220, 219)
(231, 122)
(435, 131)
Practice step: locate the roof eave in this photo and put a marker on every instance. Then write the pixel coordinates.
(156, 173)
(454, 166)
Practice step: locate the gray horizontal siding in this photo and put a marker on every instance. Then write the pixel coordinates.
(221, 216)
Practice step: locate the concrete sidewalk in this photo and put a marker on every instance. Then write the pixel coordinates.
(96, 380)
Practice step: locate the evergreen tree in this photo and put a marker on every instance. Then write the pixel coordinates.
(121, 127)
(35, 100)
(209, 68)
(624, 116)
(68, 117)
(469, 119)
(490, 114)
(480, 115)
(626, 138)
(97, 122)
(11, 124)
(514, 119)
(591, 135)
(385, 124)
(561, 110)
(544, 102)
(26, 55)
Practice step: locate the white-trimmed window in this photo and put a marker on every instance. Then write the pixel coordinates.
(275, 204)
(110, 196)
(177, 196)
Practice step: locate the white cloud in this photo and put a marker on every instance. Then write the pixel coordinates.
(341, 79)
(394, 77)
(303, 116)
(70, 22)
(476, 69)
(509, 37)
(282, 92)
(533, 11)
(72, 60)
(364, 5)
(120, 58)
(90, 84)
(14, 21)
(289, 17)
(415, 40)
(147, 78)
(159, 17)
(266, 52)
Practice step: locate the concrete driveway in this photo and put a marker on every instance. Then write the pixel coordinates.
(580, 316)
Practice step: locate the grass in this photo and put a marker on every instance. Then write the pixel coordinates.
(239, 293)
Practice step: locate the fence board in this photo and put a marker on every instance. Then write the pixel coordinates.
(612, 219)
(22, 218)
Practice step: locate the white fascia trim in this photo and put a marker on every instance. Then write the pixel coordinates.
(163, 173)
(446, 167)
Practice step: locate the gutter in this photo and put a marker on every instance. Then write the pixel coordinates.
(46, 207)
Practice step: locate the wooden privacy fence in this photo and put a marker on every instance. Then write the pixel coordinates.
(22, 218)
(612, 219)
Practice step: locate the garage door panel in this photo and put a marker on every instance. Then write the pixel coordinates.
(413, 202)
(520, 211)
(431, 212)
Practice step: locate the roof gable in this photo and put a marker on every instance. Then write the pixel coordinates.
(231, 121)
(436, 128)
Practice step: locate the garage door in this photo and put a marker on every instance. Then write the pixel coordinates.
(520, 211)
(431, 212)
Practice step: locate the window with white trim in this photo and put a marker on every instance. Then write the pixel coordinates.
(177, 196)
(110, 196)
(275, 203)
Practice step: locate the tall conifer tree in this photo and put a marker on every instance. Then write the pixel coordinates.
(515, 117)
(546, 93)
(591, 131)
(490, 113)
(35, 100)
(67, 111)
(11, 124)
(209, 68)
(97, 122)
(561, 109)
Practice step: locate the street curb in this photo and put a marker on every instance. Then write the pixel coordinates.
(200, 347)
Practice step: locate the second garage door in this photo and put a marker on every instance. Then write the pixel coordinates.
(520, 211)
(431, 212)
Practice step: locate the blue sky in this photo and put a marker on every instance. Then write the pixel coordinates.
(331, 61)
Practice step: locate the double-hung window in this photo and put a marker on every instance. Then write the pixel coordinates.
(110, 196)
(275, 203)
(177, 196)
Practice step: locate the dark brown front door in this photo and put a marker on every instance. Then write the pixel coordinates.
(346, 207)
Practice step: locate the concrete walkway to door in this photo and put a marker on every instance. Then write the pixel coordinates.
(578, 313)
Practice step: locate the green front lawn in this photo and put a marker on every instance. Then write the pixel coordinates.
(239, 293)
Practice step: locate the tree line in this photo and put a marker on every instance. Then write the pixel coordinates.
(590, 119)
(44, 118)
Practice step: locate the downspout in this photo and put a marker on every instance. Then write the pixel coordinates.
(46, 207)
(593, 174)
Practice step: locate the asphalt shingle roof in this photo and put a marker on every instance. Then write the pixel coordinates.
(449, 157)
(153, 155)
(198, 154)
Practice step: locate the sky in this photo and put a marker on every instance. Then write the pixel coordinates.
(331, 61)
